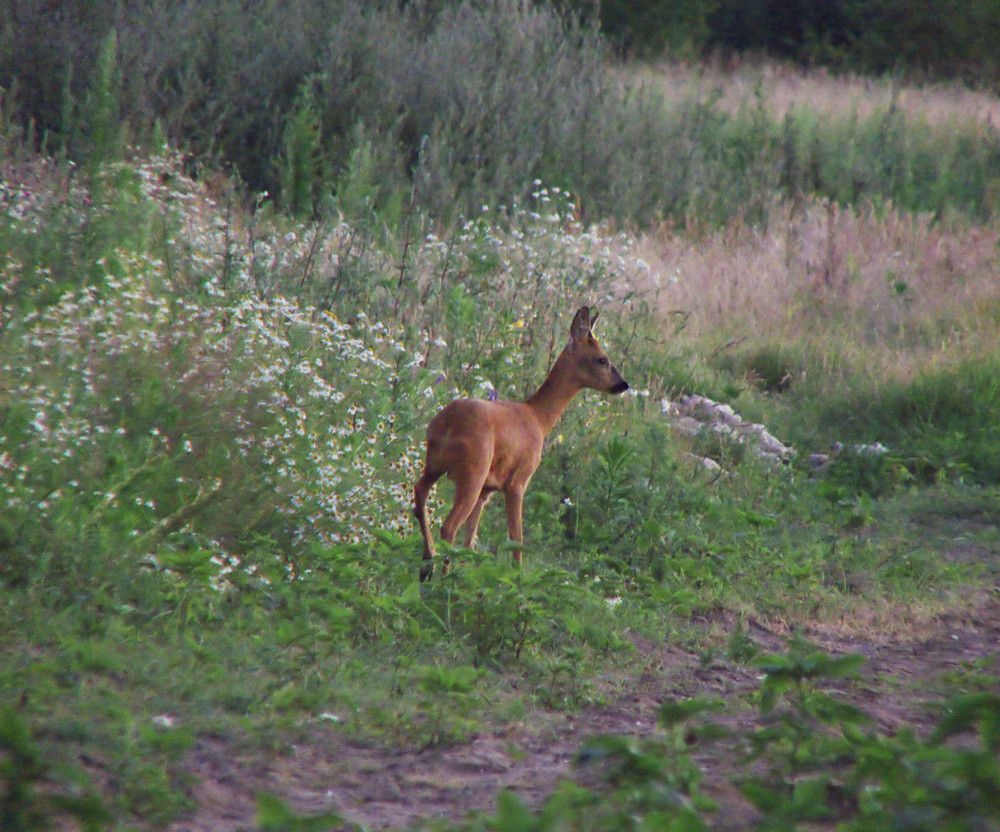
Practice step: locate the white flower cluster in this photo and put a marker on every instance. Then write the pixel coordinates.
(119, 377)
(321, 433)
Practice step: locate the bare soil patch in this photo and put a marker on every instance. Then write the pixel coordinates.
(384, 788)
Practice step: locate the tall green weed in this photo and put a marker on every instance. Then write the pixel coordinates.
(815, 758)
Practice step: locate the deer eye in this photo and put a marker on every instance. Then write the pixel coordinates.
(603, 362)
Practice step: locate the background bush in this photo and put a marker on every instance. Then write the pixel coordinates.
(439, 109)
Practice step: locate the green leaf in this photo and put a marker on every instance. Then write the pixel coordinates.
(840, 666)
(274, 815)
(809, 797)
(684, 820)
(87, 809)
(829, 710)
(512, 815)
(385, 537)
(763, 797)
(687, 820)
(964, 712)
(675, 711)
(411, 595)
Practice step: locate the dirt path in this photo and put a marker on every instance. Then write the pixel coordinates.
(386, 789)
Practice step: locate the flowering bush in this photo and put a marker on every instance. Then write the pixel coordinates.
(130, 396)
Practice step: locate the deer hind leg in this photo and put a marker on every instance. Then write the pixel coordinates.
(420, 492)
(468, 491)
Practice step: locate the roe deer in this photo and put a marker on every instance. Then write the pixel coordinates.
(488, 446)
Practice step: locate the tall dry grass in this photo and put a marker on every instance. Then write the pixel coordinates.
(863, 289)
(868, 288)
(783, 87)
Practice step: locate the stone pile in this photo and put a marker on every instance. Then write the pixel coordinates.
(692, 415)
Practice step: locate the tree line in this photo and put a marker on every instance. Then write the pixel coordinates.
(925, 39)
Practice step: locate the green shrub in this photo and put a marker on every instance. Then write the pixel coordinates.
(939, 423)
(32, 793)
(814, 759)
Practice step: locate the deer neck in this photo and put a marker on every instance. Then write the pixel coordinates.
(556, 392)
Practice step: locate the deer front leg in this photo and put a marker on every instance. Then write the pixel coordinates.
(472, 524)
(514, 497)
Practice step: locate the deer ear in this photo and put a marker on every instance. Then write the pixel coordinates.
(580, 328)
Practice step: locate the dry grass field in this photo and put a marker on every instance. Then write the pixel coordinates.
(783, 88)
(867, 288)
